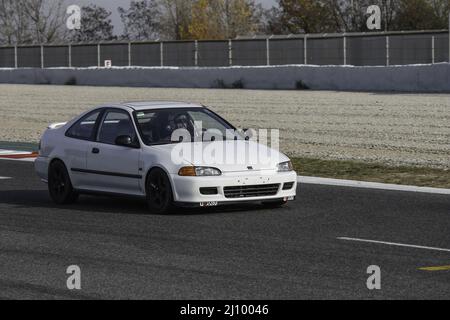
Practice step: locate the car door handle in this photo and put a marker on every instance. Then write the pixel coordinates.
(95, 151)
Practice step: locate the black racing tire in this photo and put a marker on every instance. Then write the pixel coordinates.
(59, 184)
(275, 204)
(159, 192)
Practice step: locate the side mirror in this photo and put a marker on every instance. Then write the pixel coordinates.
(125, 141)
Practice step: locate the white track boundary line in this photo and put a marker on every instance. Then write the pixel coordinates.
(21, 160)
(4, 178)
(370, 185)
(11, 153)
(393, 244)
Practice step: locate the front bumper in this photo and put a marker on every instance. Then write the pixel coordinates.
(225, 203)
(186, 190)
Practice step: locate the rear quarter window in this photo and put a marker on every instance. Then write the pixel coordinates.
(84, 128)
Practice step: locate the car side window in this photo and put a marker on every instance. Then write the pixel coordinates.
(84, 128)
(116, 124)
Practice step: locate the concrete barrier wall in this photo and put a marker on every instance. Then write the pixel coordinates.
(414, 78)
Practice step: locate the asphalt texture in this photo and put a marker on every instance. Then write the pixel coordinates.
(238, 252)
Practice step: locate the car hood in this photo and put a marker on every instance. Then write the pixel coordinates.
(228, 156)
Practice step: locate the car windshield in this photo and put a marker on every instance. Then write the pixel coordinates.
(163, 126)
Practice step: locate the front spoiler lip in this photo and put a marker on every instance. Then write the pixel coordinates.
(227, 203)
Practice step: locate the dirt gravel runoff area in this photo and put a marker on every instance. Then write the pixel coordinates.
(392, 129)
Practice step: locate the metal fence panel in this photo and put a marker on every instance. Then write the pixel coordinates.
(29, 57)
(117, 53)
(146, 54)
(441, 48)
(213, 53)
(286, 51)
(249, 52)
(325, 51)
(366, 51)
(328, 49)
(179, 54)
(56, 56)
(7, 59)
(410, 49)
(84, 56)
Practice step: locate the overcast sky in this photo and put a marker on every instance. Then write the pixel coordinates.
(112, 6)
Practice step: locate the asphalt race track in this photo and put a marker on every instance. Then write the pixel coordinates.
(223, 253)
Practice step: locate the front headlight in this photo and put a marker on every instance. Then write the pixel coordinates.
(199, 172)
(207, 171)
(285, 167)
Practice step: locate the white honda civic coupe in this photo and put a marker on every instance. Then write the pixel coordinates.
(170, 153)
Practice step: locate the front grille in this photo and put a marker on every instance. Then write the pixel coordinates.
(263, 190)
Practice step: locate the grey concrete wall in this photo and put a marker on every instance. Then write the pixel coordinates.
(420, 78)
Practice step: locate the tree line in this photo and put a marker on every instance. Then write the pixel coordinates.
(328, 16)
(45, 21)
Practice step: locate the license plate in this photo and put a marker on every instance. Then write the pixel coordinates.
(209, 204)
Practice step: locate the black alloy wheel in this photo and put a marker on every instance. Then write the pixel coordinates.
(59, 184)
(159, 192)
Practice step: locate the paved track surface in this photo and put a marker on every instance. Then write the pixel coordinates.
(226, 253)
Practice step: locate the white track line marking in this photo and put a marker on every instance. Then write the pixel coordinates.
(370, 185)
(4, 178)
(11, 152)
(394, 244)
(21, 160)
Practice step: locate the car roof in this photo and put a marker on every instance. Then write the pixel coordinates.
(148, 105)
